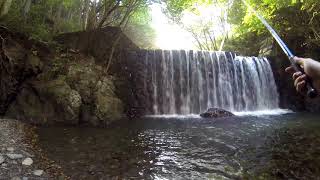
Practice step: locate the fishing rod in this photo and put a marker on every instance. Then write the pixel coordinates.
(311, 91)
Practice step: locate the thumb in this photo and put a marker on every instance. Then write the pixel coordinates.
(299, 61)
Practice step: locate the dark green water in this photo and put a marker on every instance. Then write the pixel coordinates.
(247, 147)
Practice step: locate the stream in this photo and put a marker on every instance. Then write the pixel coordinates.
(283, 146)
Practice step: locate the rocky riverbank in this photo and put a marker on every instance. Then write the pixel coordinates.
(20, 157)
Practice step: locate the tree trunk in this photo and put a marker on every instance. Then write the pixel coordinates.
(115, 43)
(26, 8)
(85, 14)
(5, 7)
(107, 13)
(92, 16)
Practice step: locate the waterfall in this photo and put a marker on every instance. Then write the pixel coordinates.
(190, 82)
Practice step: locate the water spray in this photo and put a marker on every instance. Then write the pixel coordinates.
(311, 91)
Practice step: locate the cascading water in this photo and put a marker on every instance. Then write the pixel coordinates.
(190, 82)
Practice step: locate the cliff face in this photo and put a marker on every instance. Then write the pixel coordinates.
(47, 85)
(112, 42)
(19, 61)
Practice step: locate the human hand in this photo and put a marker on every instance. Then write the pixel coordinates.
(311, 69)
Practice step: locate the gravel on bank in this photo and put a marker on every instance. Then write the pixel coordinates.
(20, 156)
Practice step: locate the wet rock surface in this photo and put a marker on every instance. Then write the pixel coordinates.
(216, 113)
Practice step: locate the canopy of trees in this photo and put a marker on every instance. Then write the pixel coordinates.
(45, 18)
(208, 29)
(297, 22)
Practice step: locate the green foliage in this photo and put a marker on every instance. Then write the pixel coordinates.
(44, 19)
(296, 21)
(205, 20)
(4, 7)
(39, 21)
(139, 29)
(175, 8)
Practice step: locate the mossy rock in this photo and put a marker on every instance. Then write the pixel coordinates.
(47, 103)
(70, 90)
(108, 109)
(105, 107)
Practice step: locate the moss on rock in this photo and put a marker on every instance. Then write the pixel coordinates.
(69, 92)
(45, 85)
(47, 103)
(107, 107)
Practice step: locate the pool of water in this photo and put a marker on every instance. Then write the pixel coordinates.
(283, 146)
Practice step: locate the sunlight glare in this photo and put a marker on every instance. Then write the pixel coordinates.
(169, 36)
(172, 36)
(212, 14)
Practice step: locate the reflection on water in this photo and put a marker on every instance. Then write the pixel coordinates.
(246, 147)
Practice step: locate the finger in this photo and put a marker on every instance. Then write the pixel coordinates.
(296, 75)
(290, 70)
(300, 86)
(299, 60)
(300, 79)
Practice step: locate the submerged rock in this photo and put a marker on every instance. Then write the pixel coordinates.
(216, 113)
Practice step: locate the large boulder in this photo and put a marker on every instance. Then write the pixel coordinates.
(45, 84)
(216, 113)
(16, 65)
(100, 106)
(47, 102)
(106, 106)
(72, 89)
(105, 43)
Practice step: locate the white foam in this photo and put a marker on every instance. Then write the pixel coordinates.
(264, 112)
(243, 113)
(178, 116)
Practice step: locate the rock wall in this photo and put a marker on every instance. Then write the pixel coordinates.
(123, 68)
(18, 62)
(54, 86)
(132, 79)
(98, 43)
